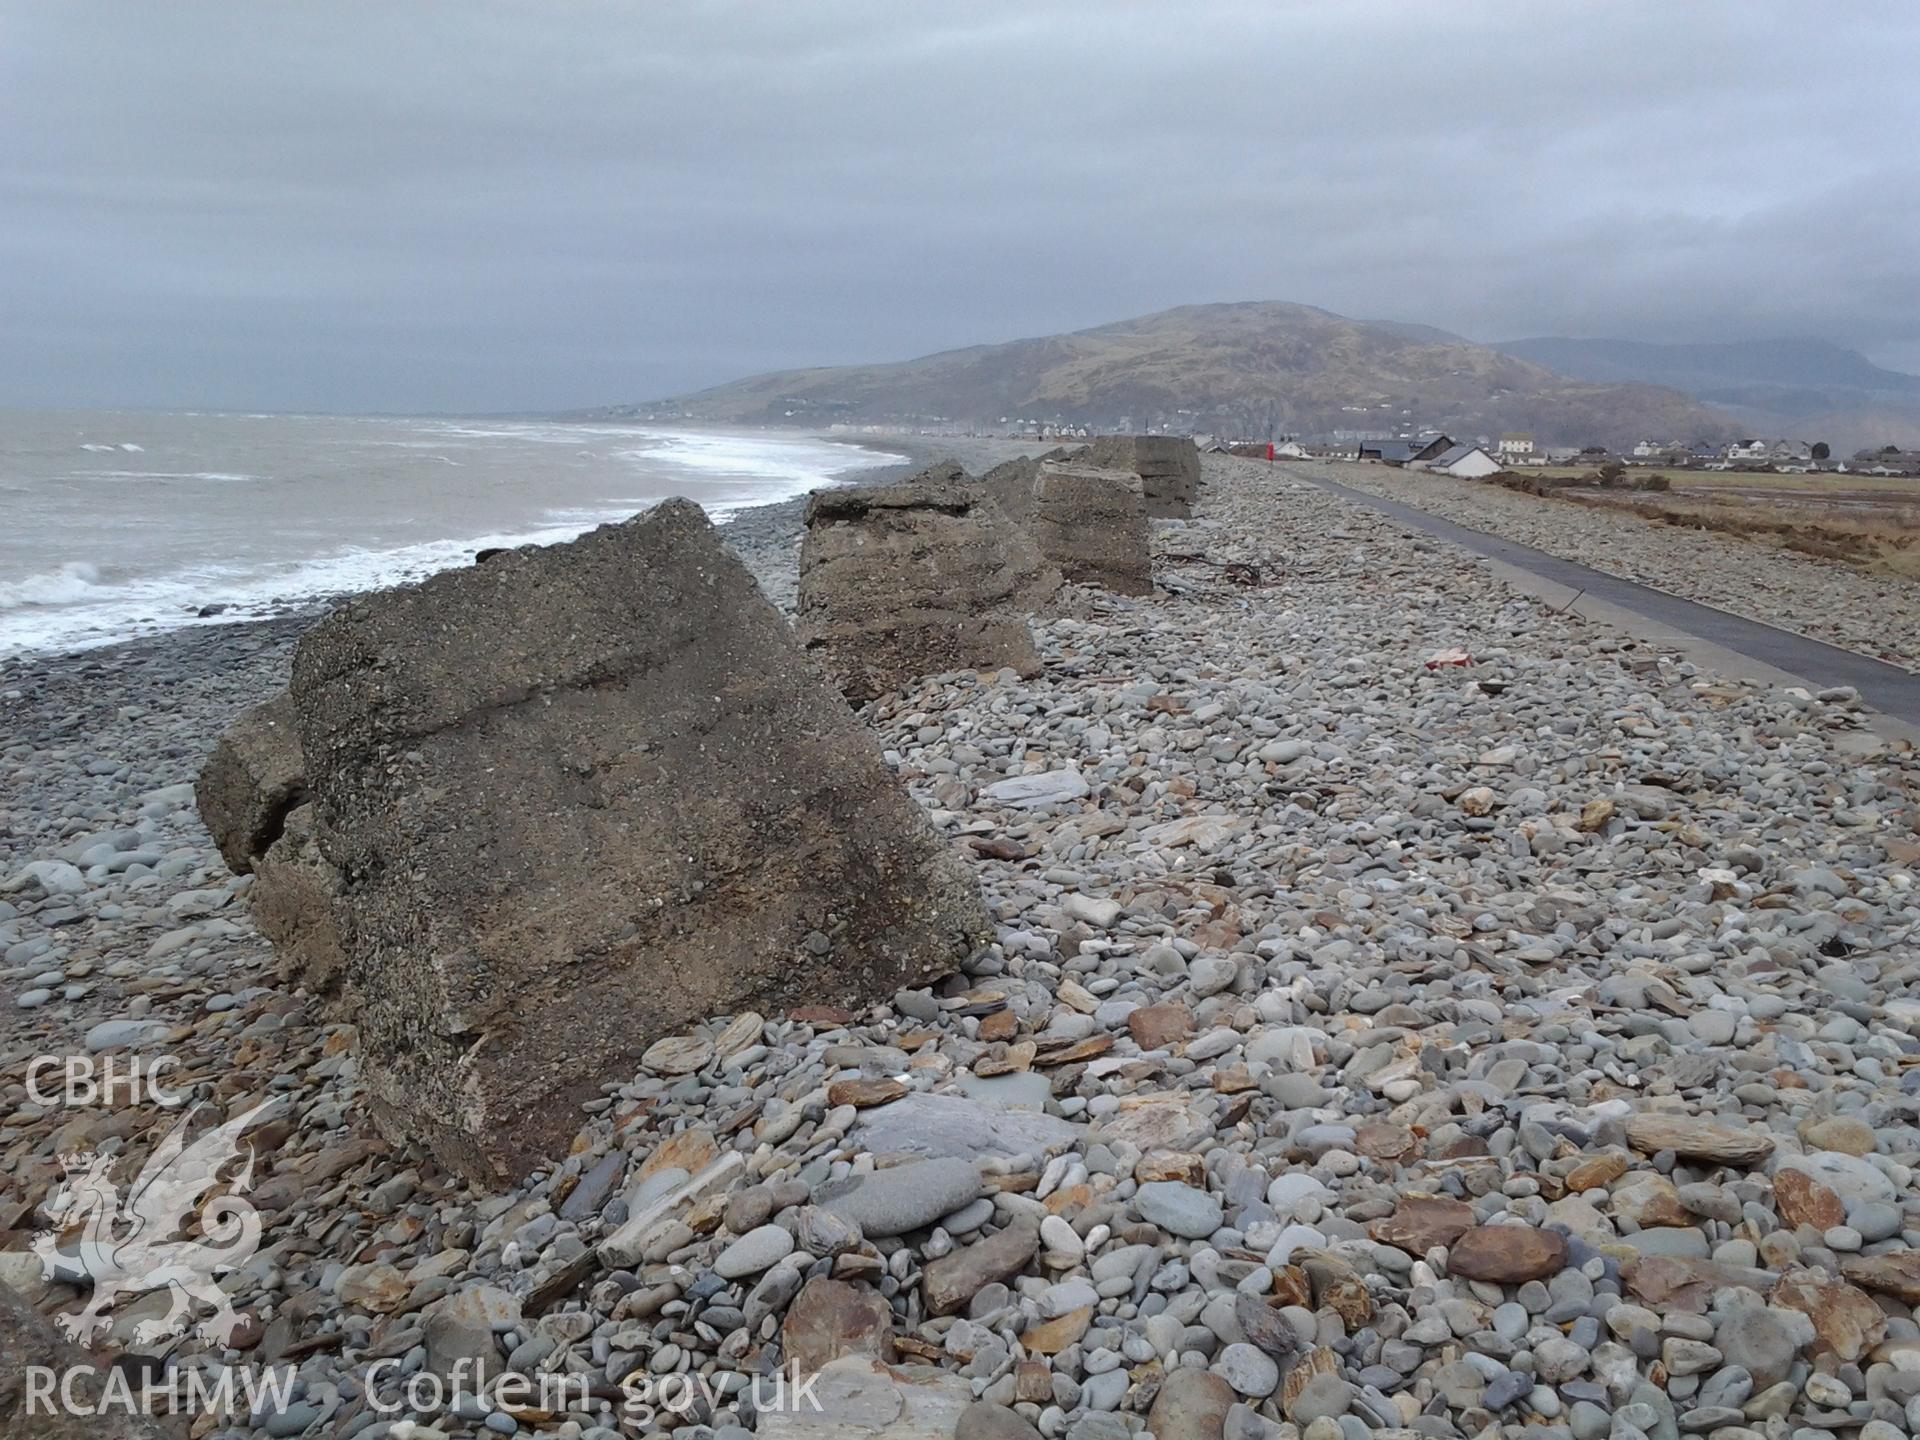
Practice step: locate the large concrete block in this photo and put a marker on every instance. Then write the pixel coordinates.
(1092, 523)
(1168, 467)
(900, 581)
(585, 796)
(250, 782)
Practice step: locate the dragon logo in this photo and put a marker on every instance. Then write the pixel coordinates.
(136, 1244)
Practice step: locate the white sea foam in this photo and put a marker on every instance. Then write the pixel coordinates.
(154, 565)
(803, 464)
(70, 609)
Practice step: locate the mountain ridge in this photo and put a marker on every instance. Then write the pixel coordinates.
(1250, 368)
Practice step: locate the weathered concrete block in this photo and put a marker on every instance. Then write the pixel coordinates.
(585, 796)
(294, 897)
(1168, 467)
(1010, 486)
(900, 581)
(1093, 524)
(250, 782)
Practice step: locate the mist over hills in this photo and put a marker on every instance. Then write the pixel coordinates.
(1256, 368)
(1803, 388)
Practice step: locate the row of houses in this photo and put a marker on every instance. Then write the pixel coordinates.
(1739, 454)
(1520, 449)
(1439, 452)
(1436, 452)
(1888, 460)
(1791, 457)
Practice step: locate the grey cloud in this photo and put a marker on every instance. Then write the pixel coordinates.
(500, 206)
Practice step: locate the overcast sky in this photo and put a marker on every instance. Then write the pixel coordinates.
(468, 206)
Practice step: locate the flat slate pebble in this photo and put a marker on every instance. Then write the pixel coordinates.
(906, 1197)
(1179, 1208)
(753, 1252)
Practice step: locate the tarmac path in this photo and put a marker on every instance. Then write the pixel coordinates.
(1665, 618)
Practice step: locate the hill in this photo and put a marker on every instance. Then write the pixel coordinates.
(1798, 387)
(1251, 369)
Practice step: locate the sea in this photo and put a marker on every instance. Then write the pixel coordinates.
(120, 524)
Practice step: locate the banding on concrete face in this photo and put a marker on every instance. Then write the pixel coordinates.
(1168, 467)
(585, 796)
(251, 781)
(1093, 525)
(902, 581)
(1010, 486)
(294, 899)
(252, 797)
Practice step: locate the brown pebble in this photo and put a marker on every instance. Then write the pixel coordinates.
(1507, 1254)
(863, 1093)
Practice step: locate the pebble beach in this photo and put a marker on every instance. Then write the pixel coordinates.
(1830, 600)
(1414, 1012)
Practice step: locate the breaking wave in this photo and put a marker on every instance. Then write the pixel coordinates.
(70, 584)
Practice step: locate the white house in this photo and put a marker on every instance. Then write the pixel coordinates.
(1468, 462)
(1515, 449)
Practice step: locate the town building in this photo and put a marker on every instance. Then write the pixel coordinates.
(1468, 462)
(1405, 452)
